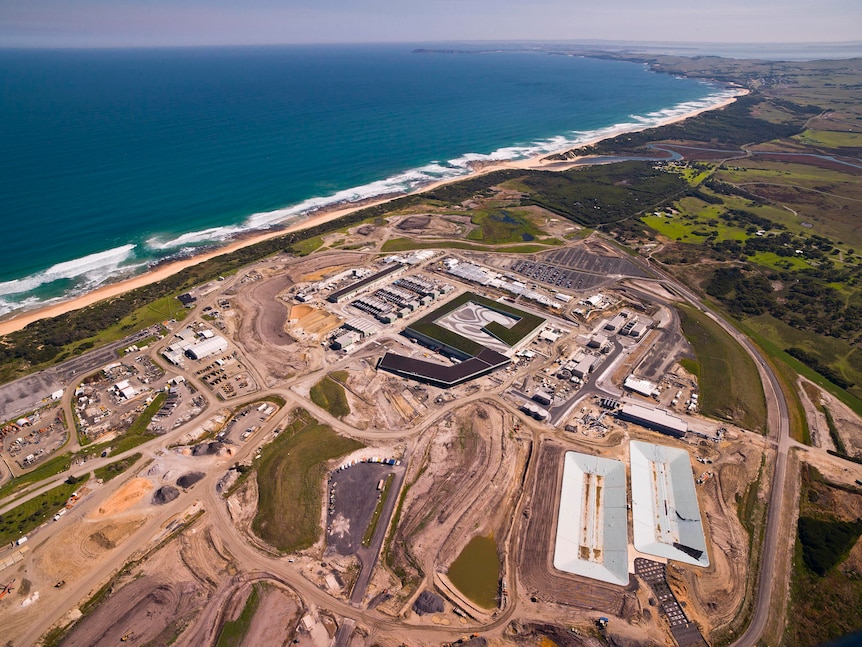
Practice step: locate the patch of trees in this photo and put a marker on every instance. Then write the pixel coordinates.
(816, 365)
(604, 194)
(465, 189)
(742, 218)
(796, 108)
(725, 188)
(730, 126)
(745, 292)
(826, 542)
(804, 302)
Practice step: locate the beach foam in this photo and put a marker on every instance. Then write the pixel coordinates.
(86, 273)
(416, 178)
(91, 271)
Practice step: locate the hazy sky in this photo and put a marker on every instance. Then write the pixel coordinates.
(102, 23)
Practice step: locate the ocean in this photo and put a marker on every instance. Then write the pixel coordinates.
(112, 160)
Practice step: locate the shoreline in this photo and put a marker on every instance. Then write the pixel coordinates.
(14, 322)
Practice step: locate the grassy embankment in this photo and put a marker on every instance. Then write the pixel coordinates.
(289, 475)
(826, 587)
(22, 519)
(233, 632)
(729, 383)
(329, 394)
(112, 470)
(46, 470)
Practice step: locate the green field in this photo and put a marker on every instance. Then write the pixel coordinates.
(289, 476)
(329, 394)
(502, 226)
(20, 520)
(527, 323)
(729, 383)
(829, 350)
(831, 138)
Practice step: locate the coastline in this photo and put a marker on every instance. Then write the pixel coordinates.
(15, 322)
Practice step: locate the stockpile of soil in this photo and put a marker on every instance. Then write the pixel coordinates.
(428, 602)
(207, 449)
(188, 480)
(165, 494)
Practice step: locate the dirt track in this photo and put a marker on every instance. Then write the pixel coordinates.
(539, 579)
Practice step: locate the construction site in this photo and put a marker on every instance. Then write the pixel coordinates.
(475, 448)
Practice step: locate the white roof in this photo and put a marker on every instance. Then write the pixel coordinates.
(592, 527)
(208, 347)
(122, 384)
(665, 512)
(644, 387)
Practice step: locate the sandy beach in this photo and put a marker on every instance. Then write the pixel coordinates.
(539, 162)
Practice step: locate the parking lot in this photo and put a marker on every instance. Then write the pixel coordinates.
(352, 495)
(580, 259)
(562, 277)
(246, 422)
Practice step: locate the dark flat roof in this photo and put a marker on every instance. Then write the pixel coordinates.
(447, 375)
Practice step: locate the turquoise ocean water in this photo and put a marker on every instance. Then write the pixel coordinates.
(114, 159)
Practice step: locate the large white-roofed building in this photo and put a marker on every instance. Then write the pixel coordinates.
(207, 347)
(665, 513)
(592, 526)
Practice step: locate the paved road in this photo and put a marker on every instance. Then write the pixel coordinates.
(251, 558)
(778, 429)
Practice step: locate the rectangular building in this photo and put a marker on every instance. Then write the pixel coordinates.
(365, 284)
(665, 512)
(654, 419)
(592, 525)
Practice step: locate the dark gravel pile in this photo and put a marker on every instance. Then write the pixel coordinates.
(428, 602)
(165, 494)
(187, 480)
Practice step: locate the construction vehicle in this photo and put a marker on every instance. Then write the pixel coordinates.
(7, 589)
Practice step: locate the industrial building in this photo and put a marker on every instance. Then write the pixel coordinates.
(654, 419)
(442, 375)
(644, 387)
(665, 513)
(366, 284)
(212, 346)
(592, 525)
(585, 366)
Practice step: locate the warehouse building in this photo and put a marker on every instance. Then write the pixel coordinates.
(655, 419)
(665, 512)
(443, 375)
(367, 283)
(592, 525)
(212, 346)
